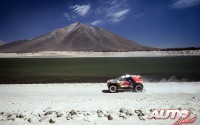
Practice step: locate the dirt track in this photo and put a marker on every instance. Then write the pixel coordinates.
(33, 101)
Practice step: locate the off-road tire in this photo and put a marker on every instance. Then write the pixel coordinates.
(113, 88)
(138, 88)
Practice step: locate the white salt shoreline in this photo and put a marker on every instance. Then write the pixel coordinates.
(73, 54)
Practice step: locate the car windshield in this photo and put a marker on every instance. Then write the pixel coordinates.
(118, 78)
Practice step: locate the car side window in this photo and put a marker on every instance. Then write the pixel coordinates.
(124, 79)
(128, 79)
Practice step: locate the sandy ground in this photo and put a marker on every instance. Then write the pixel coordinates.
(68, 54)
(88, 103)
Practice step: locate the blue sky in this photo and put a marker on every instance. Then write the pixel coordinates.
(158, 23)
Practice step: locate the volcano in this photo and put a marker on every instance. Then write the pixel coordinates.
(75, 37)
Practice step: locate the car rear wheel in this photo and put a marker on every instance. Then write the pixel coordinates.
(139, 88)
(113, 88)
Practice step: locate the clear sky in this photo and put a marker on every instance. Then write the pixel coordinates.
(158, 23)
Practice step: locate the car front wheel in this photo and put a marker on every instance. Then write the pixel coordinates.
(113, 88)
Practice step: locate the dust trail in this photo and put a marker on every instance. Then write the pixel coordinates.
(170, 79)
(172, 87)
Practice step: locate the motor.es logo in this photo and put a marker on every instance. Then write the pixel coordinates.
(181, 117)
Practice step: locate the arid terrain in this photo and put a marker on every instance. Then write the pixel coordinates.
(100, 62)
(89, 103)
(75, 37)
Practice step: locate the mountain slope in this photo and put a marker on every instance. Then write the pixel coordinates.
(75, 37)
(2, 43)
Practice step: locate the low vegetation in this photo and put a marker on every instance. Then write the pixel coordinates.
(70, 70)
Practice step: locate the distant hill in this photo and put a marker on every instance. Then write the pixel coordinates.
(2, 43)
(180, 49)
(75, 37)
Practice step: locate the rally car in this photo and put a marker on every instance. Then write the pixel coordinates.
(133, 82)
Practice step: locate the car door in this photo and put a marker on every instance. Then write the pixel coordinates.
(124, 82)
